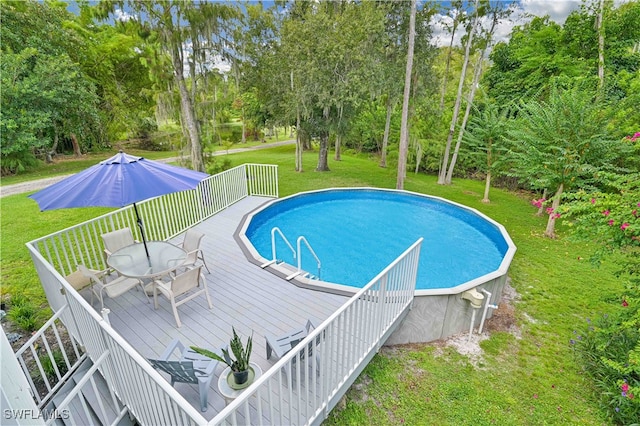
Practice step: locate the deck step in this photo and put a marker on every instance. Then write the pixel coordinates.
(269, 263)
(99, 407)
(292, 276)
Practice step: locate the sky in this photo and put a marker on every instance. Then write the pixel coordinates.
(558, 10)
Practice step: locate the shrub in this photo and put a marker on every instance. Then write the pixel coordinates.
(609, 349)
(24, 314)
(47, 365)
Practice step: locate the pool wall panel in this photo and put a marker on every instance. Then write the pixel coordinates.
(438, 317)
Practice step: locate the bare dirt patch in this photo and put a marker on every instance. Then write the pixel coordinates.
(502, 320)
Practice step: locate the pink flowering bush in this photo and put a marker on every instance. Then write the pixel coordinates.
(633, 138)
(538, 203)
(605, 348)
(609, 348)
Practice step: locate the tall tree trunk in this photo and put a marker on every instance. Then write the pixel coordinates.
(443, 91)
(419, 152)
(456, 109)
(76, 146)
(551, 223)
(385, 138)
(487, 183)
(487, 186)
(404, 127)
(299, 147)
(54, 149)
(467, 112)
(186, 106)
(323, 152)
(244, 127)
(599, 22)
(338, 135)
(213, 112)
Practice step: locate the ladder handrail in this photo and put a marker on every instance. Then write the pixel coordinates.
(302, 238)
(273, 243)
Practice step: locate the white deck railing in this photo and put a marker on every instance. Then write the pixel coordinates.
(164, 217)
(307, 383)
(301, 388)
(147, 395)
(49, 358)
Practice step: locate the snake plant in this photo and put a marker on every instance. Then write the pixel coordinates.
(241, 353)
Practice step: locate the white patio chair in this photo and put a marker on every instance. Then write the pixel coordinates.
(114, 288)
(115, 240)
(191, 244)
(279, 346)
(190, 367)
(181, 286)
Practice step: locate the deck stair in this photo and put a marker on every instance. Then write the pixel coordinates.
(92, 405)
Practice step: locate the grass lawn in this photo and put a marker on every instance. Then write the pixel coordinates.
(524, 378)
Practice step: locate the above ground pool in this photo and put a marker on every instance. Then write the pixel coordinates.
(356, 233)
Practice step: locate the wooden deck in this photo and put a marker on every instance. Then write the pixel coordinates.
(244, 296)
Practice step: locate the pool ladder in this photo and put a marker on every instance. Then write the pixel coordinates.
(297, 254)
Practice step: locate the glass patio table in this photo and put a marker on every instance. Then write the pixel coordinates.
(132, 261)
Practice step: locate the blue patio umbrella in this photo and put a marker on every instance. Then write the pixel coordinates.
(117, 182)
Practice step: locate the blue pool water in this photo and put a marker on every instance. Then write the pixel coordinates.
(357, 233)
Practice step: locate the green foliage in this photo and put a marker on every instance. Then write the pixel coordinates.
(540, 51)
(241, 353)
(24, 313)
(367, 128)
(524, 67)
(563, 141)
(45, 94)
(48, 364)
(608, 214)
(484, 136)
(609, 350)
(216, 164)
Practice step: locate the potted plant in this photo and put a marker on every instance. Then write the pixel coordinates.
(240, 365)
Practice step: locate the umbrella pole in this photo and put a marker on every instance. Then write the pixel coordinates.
(141, 226)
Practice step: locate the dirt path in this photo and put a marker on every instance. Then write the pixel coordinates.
(37, 184)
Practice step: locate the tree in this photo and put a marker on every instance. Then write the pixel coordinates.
(484, 138)
(456, 107)
(458, 17)
(45, 94)
(524, 67)
(175, 26)
(404, 129)
(486, 41)
(330, 73)
(561, 144)
(114, 61)
(600, 29)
